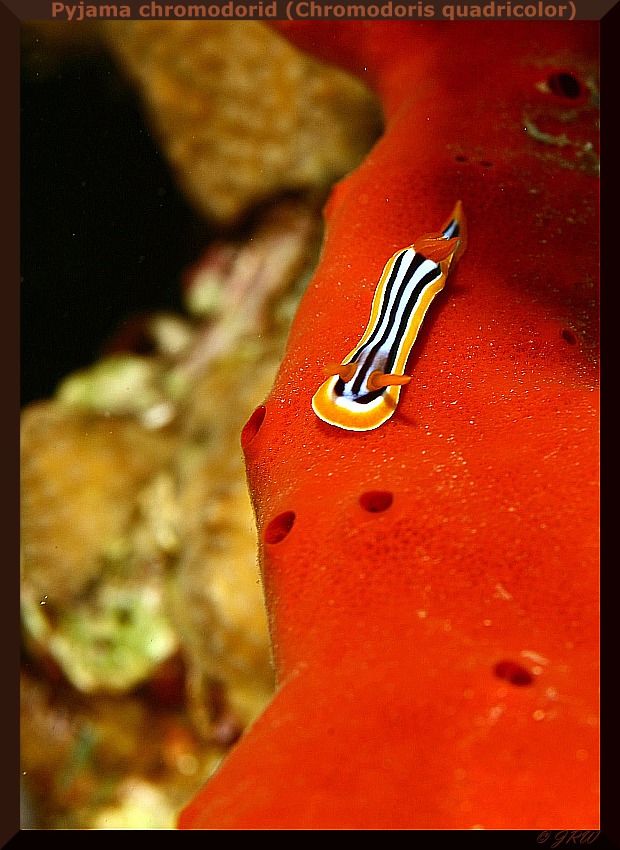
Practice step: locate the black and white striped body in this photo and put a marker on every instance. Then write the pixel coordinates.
(364, 388)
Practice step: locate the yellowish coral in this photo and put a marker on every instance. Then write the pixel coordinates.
(81, 474)
(139, 546)
(241, 114)
(221, 613)
(112, 641)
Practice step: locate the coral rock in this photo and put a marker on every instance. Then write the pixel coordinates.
(240, 113)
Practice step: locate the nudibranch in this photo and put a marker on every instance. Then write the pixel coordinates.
(362, 392)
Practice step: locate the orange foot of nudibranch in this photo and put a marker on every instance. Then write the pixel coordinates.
(345, 371)
(378, 380)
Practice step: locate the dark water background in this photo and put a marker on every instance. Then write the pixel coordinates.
(105, 233)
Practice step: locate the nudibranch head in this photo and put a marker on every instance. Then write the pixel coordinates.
(362, 392)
